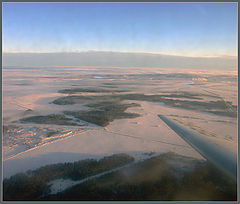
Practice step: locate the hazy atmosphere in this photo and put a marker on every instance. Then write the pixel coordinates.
(120, 101)
(185, 29)
(118, 59)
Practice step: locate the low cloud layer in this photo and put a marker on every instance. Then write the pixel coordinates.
(117, 59)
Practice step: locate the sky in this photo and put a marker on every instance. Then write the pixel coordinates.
(182, 29)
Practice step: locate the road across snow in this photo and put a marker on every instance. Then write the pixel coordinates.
(132, 136)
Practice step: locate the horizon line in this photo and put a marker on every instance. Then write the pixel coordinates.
(122, 52)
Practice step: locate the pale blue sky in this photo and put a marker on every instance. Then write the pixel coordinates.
(188, 29)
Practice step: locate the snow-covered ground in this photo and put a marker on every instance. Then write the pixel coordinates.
(35, 89)
(144, 134)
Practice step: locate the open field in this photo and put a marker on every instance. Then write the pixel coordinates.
(63, 115)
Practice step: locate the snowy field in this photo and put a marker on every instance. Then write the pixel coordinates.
(29, 92)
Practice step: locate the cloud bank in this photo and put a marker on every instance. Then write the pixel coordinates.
(118, 59)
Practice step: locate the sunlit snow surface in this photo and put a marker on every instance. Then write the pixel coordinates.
(30, 91)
